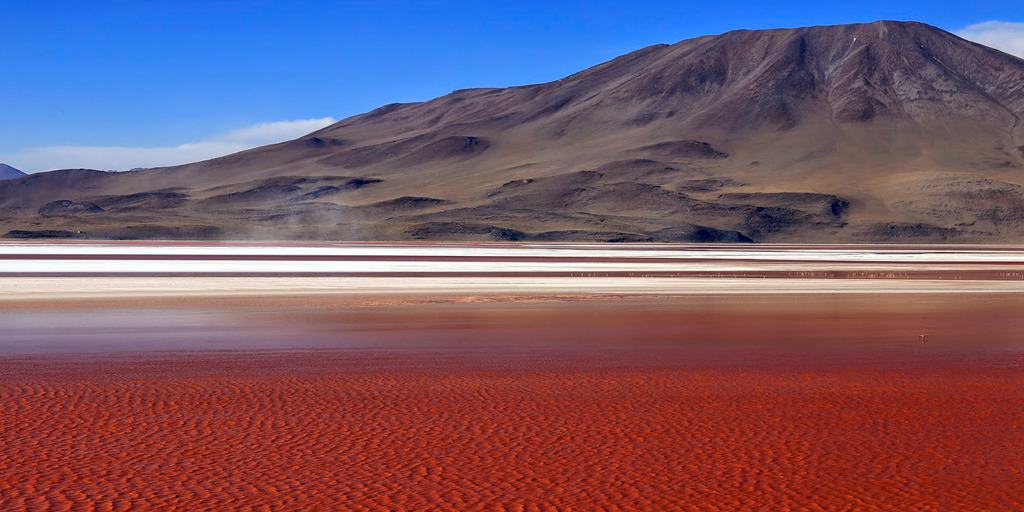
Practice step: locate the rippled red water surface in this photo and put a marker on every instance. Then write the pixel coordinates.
(805, 405)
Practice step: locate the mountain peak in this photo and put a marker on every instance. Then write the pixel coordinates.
(881, 131)
(9, 173)
(866, 25)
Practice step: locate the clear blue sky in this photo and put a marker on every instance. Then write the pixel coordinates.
(162, 73)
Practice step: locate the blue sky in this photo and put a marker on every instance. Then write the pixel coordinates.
(125, 84)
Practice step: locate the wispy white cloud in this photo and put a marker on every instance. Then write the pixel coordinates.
(1007, 36)
(122, 158)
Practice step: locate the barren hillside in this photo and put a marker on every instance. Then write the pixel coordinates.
(888, 131)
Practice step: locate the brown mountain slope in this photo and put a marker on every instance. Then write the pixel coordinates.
(870, 132)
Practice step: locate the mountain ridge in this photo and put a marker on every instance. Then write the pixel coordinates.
(885, 131)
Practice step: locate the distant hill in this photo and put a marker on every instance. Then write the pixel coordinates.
(9, 173)
(886, 131)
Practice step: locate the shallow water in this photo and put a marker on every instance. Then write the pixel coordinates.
(769, 322)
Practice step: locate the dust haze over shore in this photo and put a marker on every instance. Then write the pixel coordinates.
(526, 376)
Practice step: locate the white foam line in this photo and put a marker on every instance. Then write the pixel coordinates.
(766, 254)
(383, 266)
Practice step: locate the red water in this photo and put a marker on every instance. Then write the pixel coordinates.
(813, 403)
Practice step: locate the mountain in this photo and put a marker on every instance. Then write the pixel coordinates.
(9, 173)
(886, 131)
